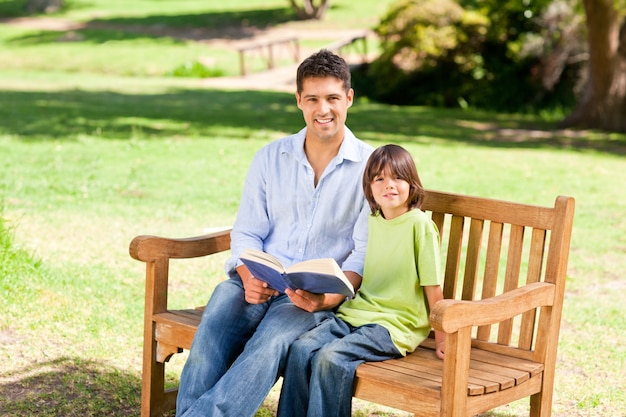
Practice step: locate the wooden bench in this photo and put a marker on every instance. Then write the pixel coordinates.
(267, 50)
(505, 273)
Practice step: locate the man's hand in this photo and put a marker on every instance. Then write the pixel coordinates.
(255, 290)
(311, 302)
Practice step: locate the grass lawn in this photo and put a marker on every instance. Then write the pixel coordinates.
(90, 158)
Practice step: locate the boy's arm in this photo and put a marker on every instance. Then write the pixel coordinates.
(434, 294)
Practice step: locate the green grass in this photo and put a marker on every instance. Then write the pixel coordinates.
(87, 168)
(98, 145)
(148, 38)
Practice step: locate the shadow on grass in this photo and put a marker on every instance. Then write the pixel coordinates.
(233, 25)
(70, 387)
(203, 113)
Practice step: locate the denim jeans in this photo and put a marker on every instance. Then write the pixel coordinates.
(318, 379)
(238, 352)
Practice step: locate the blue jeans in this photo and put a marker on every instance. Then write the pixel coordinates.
(318, 379)
(238, 352)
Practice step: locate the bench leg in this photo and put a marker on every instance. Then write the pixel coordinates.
(540, 405)
(152, 383)
(154, 400)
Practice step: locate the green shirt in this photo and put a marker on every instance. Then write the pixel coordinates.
(402, 256)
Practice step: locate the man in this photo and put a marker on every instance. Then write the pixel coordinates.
(302, 199)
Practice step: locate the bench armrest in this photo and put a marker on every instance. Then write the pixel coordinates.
(152, 248)
(450, 315)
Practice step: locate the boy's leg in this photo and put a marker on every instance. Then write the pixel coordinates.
(294, 395)
(334, 366)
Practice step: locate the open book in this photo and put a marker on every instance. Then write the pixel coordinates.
(315, 275)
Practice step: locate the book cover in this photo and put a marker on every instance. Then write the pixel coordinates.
(316, 275)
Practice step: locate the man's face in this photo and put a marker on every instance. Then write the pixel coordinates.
(324, 104)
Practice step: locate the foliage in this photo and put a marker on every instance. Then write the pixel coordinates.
(15, 262)
(429, 39)
(484, 54)
(195, 69)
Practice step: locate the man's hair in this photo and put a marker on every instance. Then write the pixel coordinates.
(324, 64)
(400, 163)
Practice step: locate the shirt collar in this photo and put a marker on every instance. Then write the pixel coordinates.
(349, 148)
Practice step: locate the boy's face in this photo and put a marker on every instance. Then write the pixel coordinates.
(324, 104)
(391, 193)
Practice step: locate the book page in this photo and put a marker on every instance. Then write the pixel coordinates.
(323, 265)
(263, 258)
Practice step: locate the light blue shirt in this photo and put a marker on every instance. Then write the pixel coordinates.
(283, 213)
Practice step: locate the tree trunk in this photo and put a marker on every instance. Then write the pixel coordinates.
(603, 104)
(43, 6)
(309, 10)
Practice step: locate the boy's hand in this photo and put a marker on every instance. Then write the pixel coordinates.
(312, 302)
(439, 350)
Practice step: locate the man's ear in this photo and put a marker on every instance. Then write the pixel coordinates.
(350, 97)
(298, 97)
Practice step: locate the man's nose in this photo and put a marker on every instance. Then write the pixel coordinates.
(324, 106)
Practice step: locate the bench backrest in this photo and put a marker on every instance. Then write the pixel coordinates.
(491, 247)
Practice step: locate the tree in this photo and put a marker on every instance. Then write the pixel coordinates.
(603, 103)
(487, 54)
(309, 9)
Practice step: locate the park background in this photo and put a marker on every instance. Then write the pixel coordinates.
(101, 141)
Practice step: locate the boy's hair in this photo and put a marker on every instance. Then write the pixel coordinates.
(324, 64)
(399, 162)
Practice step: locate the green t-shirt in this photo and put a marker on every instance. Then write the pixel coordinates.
(402, 256)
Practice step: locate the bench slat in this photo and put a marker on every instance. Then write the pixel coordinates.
(505, 378)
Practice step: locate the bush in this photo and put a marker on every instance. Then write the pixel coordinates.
(430, 50)
(195, 69)
(435, 52)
